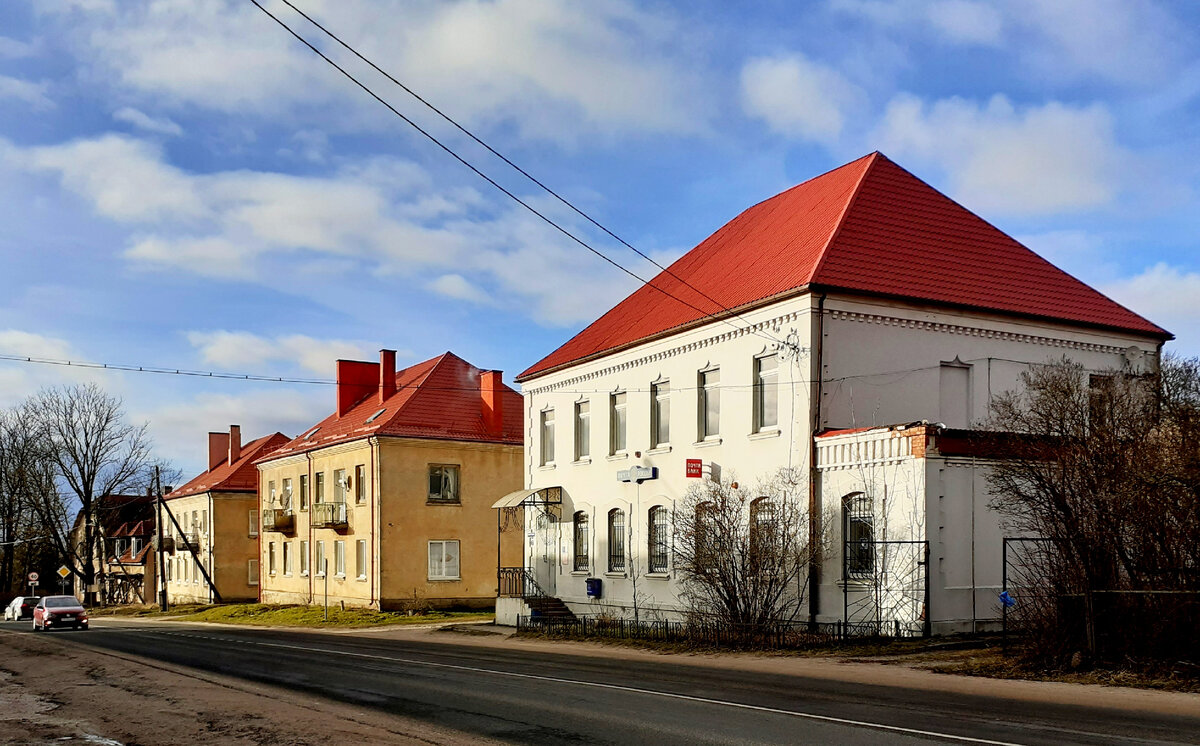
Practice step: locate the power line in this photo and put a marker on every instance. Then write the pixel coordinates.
(542, 216)
(509, 161)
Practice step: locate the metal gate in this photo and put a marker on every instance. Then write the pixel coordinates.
(885, 588)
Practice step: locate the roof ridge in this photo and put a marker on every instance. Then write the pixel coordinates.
(873, 158)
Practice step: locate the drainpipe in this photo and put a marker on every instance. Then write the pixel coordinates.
(311, 491)
(814, 508)
(375, 496)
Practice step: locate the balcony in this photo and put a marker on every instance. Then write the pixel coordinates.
(279, 519)
(190, 540)
(329, 515)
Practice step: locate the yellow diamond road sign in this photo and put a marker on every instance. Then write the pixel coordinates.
(63, 572)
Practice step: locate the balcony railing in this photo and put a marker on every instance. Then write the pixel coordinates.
(279, 519)
(190, 540)
(329, 515)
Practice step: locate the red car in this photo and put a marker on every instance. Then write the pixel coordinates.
(54, 612)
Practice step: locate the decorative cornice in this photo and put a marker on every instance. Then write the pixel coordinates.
(972, 331)
(769, 325)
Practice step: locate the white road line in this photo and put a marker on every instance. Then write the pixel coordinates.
(617, 687)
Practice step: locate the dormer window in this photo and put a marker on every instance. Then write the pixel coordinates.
(375, 416)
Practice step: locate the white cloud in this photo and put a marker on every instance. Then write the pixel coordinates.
(459, 287)
(247, 352)
(382, 217)
(1169, 296)
(1035, 160)
(555, 69)
(21, 379)
(143, 121)
(15, 48)
(967, 21)
(31, 93)
(797, 97)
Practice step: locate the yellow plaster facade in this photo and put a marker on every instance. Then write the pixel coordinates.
(392, 526)
(226, 528)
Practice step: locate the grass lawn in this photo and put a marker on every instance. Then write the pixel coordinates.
(314, 616)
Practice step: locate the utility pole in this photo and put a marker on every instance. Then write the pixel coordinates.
(158, 527)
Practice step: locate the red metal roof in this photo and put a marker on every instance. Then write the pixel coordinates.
(240, 476)
(439, 398)
(868, 226)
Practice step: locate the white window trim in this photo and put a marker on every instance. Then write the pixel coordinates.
(443, 542)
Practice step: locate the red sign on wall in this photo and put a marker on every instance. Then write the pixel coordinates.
(695, 468)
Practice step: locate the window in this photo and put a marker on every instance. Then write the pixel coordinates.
(360, 483)
(271, 496)
(581, 542)
(252, 572)
(764, 522)
(443, 560)
(339, 485)
(583, 430)
(705, 536)
(360, 559)
(253, 523)
(285, 500)
(443, 483)
(319, 494)
(658, 539)
(617, 422)
(859, 533)
(303, 557)
(547, 431)
(710, 403)
(321, 564)
(203, 521)
(339, 558)
(766, 392)
(616, 540)
(287, 558)
(304, 492)
(271, 557)
(660, 414)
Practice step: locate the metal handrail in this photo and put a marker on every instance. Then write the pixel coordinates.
(277, 519)
(329, 514)
(518, 582)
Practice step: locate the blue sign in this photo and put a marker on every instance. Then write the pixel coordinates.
(1007, 600)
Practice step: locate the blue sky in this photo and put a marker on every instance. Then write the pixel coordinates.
(182, 184)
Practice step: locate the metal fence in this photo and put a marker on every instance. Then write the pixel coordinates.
(709, 633)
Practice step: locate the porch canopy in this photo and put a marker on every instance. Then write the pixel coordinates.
(551, 496)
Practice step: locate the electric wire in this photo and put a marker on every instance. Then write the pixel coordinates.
(510, 162)
(452, 153)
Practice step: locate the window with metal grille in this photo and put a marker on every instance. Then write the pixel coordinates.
(763, 529)
(659, 539)
(581, 542)
(859, 532)
(616, 540)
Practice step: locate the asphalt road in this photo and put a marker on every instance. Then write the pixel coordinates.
(561, 698)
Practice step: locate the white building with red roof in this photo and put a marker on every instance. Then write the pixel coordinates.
(860, 298)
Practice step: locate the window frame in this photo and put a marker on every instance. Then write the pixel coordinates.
(617, 534)
(254, 525)
(360, 484)
(252, 571)
(287, 558)
(708, 393)
(583, 430)
(339, 558)
(303, 501)
(581, 561)
(660, 395)
(360, 559)
(339, 486)
(442, 543)
(320, 560)
(764, 388)
(618, 423)
(271, 567)
(456, 499)
(319, 487)
(546, 436)
(658, 540)
(303, 558)
(858, 520)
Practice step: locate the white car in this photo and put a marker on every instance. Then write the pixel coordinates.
(20, 608)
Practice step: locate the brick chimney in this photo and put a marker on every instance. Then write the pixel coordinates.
(235, 443)
(387, 374)
(356, 380)
(491, 390)
(218, 449)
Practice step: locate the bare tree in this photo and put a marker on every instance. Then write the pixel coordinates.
(742, 554)
(26, 477)
(1107, 469)
(95, 452)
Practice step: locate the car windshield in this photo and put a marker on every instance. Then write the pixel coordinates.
(32, 599)
(59, 602)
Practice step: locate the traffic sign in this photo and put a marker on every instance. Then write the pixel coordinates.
(33, 576)
(63, 572)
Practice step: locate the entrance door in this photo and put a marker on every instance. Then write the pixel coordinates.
(542, 551)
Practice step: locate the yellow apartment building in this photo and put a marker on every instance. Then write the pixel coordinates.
(212, 524)
(387, 502)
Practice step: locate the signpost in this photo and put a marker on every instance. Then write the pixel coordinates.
(63, 573)
(33, 581)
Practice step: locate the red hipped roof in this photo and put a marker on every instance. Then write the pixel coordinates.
(439, 398)
(868, 226)
(240, 476)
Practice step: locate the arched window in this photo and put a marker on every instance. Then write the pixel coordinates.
(858, 530)
(581, 542)
(764, 528)
(616, 540)
(659, 540)
(704, 537)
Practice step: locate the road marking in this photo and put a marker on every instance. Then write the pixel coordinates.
(617, 687)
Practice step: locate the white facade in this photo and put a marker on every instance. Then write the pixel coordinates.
(861, 362)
